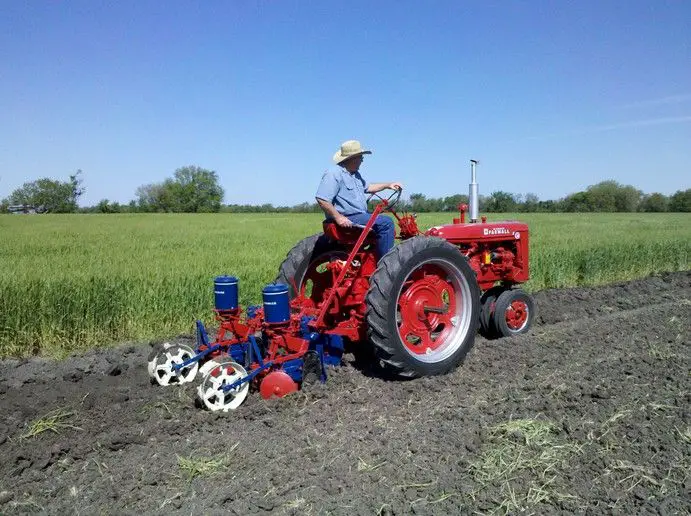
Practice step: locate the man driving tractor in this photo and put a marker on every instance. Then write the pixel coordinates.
(341, 194)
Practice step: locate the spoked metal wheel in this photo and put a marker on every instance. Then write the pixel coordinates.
(211, 393)
(207, 366)
(423, 307)
(163, 360)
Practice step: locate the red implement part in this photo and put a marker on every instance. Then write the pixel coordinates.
(277, 383)
(319, 323)
(407, 226)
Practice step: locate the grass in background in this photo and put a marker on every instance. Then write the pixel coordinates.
(72, 282)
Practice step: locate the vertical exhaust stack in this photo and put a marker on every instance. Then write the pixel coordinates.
(473, 194)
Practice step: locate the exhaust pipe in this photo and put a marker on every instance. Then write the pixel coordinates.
(473, 194)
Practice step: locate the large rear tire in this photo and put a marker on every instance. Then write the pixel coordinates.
(304, 266)
(423, 308)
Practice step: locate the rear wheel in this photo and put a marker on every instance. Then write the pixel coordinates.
(305, 266)
(514, 312)
(422, 307)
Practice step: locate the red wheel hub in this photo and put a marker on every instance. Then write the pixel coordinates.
(516, 315)
(426, 307)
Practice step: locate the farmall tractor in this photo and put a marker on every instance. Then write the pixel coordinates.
(417, 310)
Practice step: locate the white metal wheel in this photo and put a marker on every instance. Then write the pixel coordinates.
(207, 366)
(161, 365)
(211, 392)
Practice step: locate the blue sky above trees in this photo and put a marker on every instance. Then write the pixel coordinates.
(551, 97)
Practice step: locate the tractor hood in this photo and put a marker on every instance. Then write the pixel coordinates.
(485, 231)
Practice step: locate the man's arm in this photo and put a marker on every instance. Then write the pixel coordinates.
(330, 211)
(328, 188)
(378, 187)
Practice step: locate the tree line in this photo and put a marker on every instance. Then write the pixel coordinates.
(196, 190)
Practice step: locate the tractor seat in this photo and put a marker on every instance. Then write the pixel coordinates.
(345, 235)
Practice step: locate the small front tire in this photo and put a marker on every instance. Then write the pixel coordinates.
(487, 304)
(514, 312)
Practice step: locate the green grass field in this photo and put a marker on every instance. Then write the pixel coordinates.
(71, 282)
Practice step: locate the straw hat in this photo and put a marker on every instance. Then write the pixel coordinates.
(348, 150)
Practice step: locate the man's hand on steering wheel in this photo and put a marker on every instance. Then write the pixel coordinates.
(392, 199)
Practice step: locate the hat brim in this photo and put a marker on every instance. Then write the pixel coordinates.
(340, 158)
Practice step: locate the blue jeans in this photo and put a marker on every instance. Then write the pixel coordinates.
(383, 229)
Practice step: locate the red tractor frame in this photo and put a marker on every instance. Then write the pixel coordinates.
(421, 304)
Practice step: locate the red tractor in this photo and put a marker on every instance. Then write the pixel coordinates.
(418, 308)
(421, 305)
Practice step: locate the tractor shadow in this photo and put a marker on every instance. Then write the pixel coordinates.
(362, 358)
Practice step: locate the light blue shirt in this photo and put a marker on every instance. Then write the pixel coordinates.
(344, 190)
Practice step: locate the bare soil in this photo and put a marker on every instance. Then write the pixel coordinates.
(587, 413)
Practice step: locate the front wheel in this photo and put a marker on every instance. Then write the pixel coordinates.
(423, 307)
(487, 304)
(514, 312)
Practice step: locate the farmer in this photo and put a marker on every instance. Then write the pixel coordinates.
(341, 194)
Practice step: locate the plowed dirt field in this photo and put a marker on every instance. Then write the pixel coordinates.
(587, 413)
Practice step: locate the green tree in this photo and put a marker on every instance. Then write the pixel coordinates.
(655, 202)
(611, 196)
(106, 206)
(530, 203)
(50, 195)
(418, 203)
(628, 198)
(153, 198)
(451, 202)
(196, 190)
(681, 201)
(576, 202)
(602, 196)
(191, 190)
(548, 206)
(499, 202)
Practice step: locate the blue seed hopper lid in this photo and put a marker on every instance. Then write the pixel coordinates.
(225, 280)
(275, 288)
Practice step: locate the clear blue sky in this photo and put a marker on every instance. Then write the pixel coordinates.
(550, 96)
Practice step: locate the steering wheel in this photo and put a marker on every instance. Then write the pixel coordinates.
(390, 201)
